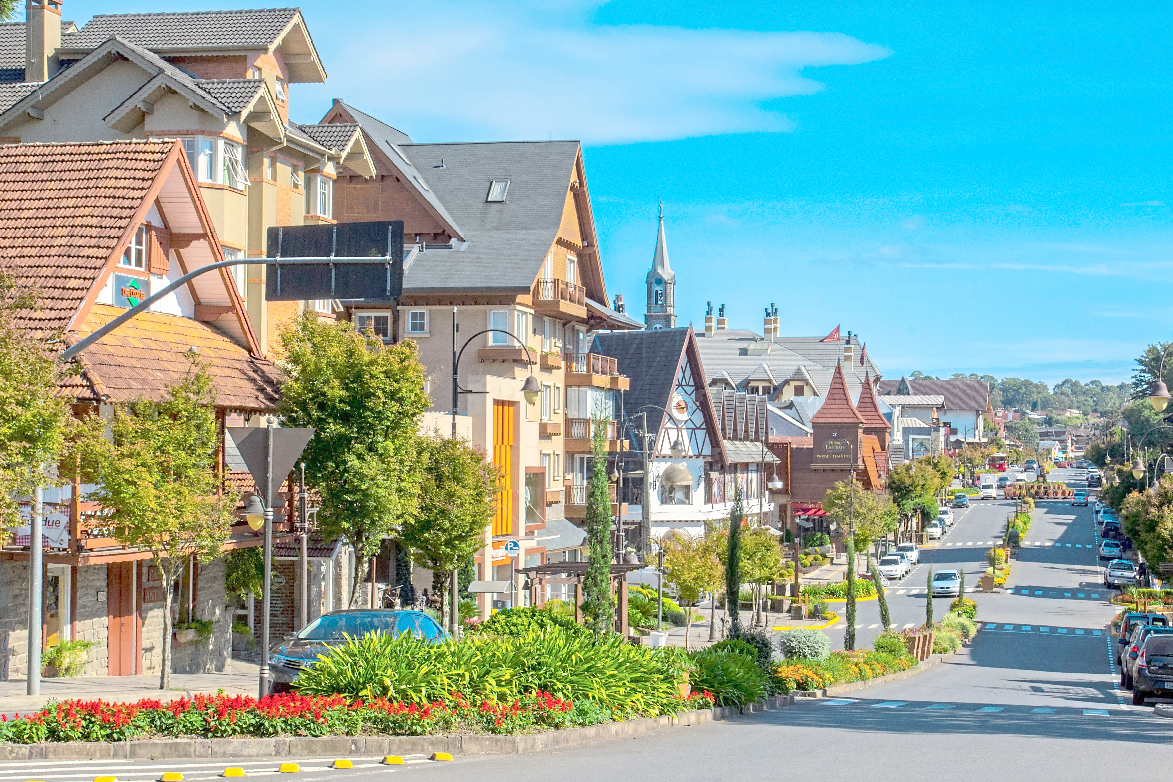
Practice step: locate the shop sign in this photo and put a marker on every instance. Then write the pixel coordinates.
(835, 451)
(130, 291)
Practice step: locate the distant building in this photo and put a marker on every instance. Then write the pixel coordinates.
(967, 405)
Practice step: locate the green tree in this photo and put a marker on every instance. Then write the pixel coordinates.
(881, 595)
(456, 502)
(244, 571)
(1147, 518)
(156, 476)
(598, 605)
(733, 563)
(691, 564)
(33, 415)
(364, 400)
(929, 600)
(1024, 432)
(913, 487)
(875, 515)
(761, 562)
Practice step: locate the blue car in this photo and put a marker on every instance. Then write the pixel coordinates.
(960, 500)
(300, 651)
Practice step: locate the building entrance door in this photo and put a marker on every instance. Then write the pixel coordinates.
(504, 422)
(123, 642)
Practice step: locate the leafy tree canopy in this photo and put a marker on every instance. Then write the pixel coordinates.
(874, 515)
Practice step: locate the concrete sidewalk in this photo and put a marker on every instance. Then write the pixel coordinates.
(240, 680)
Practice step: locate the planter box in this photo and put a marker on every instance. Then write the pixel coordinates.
(797, 611)
(987, 583)
(920, 645)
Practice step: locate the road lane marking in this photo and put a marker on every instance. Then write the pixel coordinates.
(1079, 631)
(839, 702)
(872, 627)
(1063, 629)
(1044, 629)
(909, 626)
(1095, 712)
(1042, 711)
(889, 705)
(1007, 627)
(990, 709)
(940, 706)
(1026, 628)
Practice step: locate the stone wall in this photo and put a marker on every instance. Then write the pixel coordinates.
(212, 654)
(91, 617)
(14, 587)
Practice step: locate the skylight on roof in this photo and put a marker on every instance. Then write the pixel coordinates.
(498, 189)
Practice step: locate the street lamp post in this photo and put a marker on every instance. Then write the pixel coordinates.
(266, 591)
(1159, 395)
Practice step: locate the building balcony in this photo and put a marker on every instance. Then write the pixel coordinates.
(579, 431)
(559, 298)
(550, 361)
(591, 369)
(549, 428)
(576, 501)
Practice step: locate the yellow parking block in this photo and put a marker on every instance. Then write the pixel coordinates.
(171, 776)
(343, 763)
(289, 768)
(393, 760)
(233, 771)
(441, 756)
(105, 779)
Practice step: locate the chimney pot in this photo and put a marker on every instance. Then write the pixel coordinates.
(42, 39)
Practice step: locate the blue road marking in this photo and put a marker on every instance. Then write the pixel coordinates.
(1065, 594)
(940, 706)
(1095, 712)
(990, 709)
(1097, 632)
(1062, 629)
(1044, 629)
(1081, 594)
(1026, 628)
(889, 705)
(1068, 545)
(1042, 711)
(1007, 627)
(1079, 631)
(838, 702)
(1037, 591)
(1095, 595)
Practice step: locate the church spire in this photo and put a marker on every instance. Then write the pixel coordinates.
(661, 282)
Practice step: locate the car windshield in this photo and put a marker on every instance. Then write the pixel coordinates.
(1159, 646)
(335, 627)
(1122, 564)
(890, 561)
(946, 575)
(906, 547)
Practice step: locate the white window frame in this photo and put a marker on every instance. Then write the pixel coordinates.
(282, 95)
(239, 273)
(557, 466)
(571, 269)
(232, 165)
(320, 196)
(498, 319)
(557, 398)
(521, 325)
(297, 176)
(548, 266)
(135, 254)
(548, 331)
(548, 464)
(361, 321)
(271, 168)
(547, 402)
(411, 329)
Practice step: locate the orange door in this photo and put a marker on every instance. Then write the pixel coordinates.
(504, 420)
(121, 641)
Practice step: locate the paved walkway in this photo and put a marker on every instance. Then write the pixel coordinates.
(240, 680)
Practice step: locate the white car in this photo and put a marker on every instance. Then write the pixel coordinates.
(946, 583)
(911, 550)
(893, 567)
(935, 530)
(990, 492)
(946, 518)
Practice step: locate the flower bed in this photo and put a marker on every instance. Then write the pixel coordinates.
(290, 714)
(838, 668)
(838, 591)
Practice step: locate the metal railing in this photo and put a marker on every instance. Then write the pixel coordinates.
(582, 429)
(577, 494)
(559, 290)
(590, 364)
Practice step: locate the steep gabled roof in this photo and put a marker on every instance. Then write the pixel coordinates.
(12, 49)
(346, 142)
(869, 407)
(959, 394)
(837, 407)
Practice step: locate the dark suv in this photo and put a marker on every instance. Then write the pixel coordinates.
(1154, 669)
(1131, 620)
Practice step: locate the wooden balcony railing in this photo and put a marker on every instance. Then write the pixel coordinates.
(583, 429)
(590, 364)
(559, 290)
(577, 495)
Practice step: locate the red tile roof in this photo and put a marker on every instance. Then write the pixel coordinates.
(869, 408)
(837, 407)
(148, 354)
(63, 211)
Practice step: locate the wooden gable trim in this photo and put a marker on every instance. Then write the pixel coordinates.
(692, 351)
(586, 228)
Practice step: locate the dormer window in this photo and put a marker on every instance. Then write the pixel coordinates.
(498, 190)
(135, 255)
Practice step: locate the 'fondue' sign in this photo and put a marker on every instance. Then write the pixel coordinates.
(835, 451)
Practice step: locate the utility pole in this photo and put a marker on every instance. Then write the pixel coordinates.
(36, 585)
(264, 682)
(303, 571)
(645, 523)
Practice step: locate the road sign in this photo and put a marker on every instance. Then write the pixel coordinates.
(512, 548)
(252, 441)
(381, 279)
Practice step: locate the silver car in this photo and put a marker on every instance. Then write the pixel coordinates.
(893, 567)
(947, 583)
(911, 550)
(1120, 573)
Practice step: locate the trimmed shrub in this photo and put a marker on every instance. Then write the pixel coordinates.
(804, 644)
(761, 644)
(961, 624)
(734, 678)
(863, 588)
(965, 606)
(519, 621)
(891, 643)
(945, 640)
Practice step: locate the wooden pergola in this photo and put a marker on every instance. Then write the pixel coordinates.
(575, 572)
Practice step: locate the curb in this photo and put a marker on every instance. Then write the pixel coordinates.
(840, 689)
(1163, 710)
(809, 627)
(343, 746)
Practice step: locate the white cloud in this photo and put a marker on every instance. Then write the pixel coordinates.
(494, 70)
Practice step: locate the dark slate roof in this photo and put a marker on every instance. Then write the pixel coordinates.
(296, 132)
(161, 32)
(11, 93)
(332, 137)
(507, 242)
(236, 94)
(317, 547)
(12, 45)
(959, 394)
(649, 359)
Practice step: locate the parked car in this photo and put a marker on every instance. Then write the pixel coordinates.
(1030, 464)
(1154, 669)
(894, 567)
(1120, 573)
(945, 516)
(911, 550)
(960, 500)
(1111, 528)
(935, 529)
(1130, 657)
(1110, 549)
(1079, 498)
(947, 583)
(1129, 622)
(301, 650)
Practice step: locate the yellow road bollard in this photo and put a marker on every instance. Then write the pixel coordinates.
(105, 779)
(441, 756)
(234, 771)
(289, 768)
(171, 776)
(343, 764)
(393, 760)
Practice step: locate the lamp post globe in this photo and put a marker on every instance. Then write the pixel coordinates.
(254, 513)
(1159, 397)
(531, 389)
(1137, 469)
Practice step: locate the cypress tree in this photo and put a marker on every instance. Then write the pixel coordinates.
(881, 596)
(849, 634)
(598, 606)
(929, 601)
(733, 564)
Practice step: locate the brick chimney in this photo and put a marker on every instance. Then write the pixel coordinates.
(42, 39)
(722, 323)
(771, 328)
(710, 321)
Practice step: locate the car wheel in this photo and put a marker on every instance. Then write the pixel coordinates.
(1124, 680)
(1137, 698)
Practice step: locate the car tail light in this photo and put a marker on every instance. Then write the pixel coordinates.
(1141, 662)
(1135, 648)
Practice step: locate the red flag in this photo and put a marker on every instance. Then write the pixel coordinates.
(863, 355)
(832, 337)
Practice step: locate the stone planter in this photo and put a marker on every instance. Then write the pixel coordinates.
(987, 583)
(797, 611)
(920, 645)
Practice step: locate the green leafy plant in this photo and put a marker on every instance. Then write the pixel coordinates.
(804, 643)
(733, 677)
(961, 624)
(68, 658)
(891, 643)
(838, 591)
(965, 606)
(203, 627)
(945, 640)
(520, 621)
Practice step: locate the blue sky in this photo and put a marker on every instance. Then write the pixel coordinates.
(969, 191)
